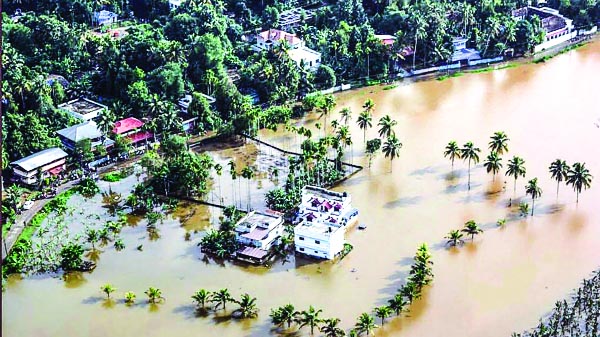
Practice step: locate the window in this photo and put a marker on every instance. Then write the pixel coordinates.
(301, 249)
(317, 241)
(301, 238)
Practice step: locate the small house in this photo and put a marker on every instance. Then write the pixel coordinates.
(88, 130)
(83, 108)
(47, 162)
(131, 128)
(257, 233)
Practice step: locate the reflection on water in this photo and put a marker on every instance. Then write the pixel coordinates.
(501, 282)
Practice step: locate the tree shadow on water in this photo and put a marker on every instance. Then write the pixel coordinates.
(108, 303)
(93, 300)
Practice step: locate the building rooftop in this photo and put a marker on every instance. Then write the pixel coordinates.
(257, 234)
(303, 53)
(318, 227)
(80, 132)
(256, 253)
(127, 124)
(82, 106)
(40, 159)
(276, 35)
(258, 220)
(325, 193)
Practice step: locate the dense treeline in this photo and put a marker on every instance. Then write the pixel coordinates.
(204, 47)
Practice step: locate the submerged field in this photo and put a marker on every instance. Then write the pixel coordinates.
(502, 282)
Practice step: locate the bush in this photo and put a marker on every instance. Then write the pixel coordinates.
(71, 256)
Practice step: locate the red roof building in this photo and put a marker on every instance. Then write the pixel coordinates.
(131, 128)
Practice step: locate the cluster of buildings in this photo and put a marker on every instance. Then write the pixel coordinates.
(322, 219)
(296, 48)
(53, 162)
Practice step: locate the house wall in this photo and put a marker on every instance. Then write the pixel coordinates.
(30, 177)
(328, 246)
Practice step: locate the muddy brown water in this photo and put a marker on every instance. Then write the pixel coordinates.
(502, 282)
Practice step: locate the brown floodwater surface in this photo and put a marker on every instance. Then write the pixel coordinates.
(501, 282)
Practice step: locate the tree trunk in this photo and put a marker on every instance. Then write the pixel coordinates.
(532, 205)
(415, 52)
(469, 183)
(557, 186)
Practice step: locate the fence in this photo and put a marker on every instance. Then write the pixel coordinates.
(482, 61)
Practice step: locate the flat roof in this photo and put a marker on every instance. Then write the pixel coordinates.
(324, 193)
(256, 253)
(40, 159)
(82, 106)
(318, 227)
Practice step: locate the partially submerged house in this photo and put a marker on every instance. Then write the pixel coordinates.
(257, 233)
(324, 216)
(44, 163)
(83, 108)
(461, 53)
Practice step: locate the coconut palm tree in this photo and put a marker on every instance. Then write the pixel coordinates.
(248, 174)
(327, 106)
(471, 228)
(579, 176)
(397, 303)
(369, 106)
(247, 306)
(286, 314)
(499, 143)
(234, 175)
(346, 115)
(154, 295)
(386, 124)
(108, 289)
(220, 298)
(516, 168)
(391, 148)
(330, 328)
(365, 324)
(534, 190)
(129, 297)
(219, 171)
(470, 152)
(410, 291)
(454, 238)
(559, 170)
(200, 297)
(364, 122)
(452, 151)
(493, 163)
(383, 312)
(309, 317)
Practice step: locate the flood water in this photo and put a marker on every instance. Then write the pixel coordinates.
(502, 282)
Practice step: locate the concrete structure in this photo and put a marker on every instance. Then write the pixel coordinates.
(257, 233)
(105, 17)
(88, 130)
(174, 4)
(297, 50)
(461, 52)
(83, 108)
(558, 28)
(324, 216)
(48, 162)
(184, 102)
(294, 17)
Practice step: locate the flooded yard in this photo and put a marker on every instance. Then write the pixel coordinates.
(501, 282)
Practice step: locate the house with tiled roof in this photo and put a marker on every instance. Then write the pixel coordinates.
(47, 162)
(131, 128)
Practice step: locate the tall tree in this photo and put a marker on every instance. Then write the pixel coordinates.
(452, 151)
(516, 168)
(397, 303)
(559, 170)
(386, 124)
(499, 143)
(330, 328)
(579, 177)
(493, 163)
(534, 190)
(365, 324)
(382, 312)
(471, 153)
(346, 114)
(391, 148)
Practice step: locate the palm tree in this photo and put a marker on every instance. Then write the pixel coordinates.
(516, 168)
(365, 324)
(409, 290)
(383, 312)
(129, 297)
(309, 317)
(454, 238)
(397, 303)
(328, 105)
(368, 106)
(391, 148)
(108, 289)
(364, 122)
(499, 143)
(200, 297)
(233, 178)
(247, 306)
(286, 314)
(579, 177)
(105, 121)
(452, 151)
(470, 152)
(330, 328)
(559, 170)
(219, 170)
(534, 190)
(346, 115)
(220, 298)
(471, 228)
(154, 295)
(493, 163)
(248, 174)
(387, 124)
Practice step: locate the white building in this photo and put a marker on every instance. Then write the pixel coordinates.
(558, 28)
(83, 108)
(461, 53)
(324, 216)
(105, 17)
(257, 233)
(297, 50)
(47, 162)
(174, 4)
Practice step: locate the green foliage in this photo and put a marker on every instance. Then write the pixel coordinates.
(88, 187)
(71, 256)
